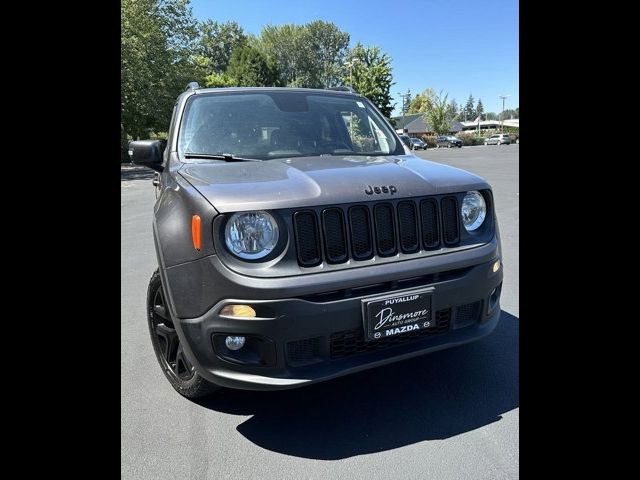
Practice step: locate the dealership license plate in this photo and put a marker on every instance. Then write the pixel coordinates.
(391, 315)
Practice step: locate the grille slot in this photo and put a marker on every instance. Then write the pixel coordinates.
(429, 220)
(303, 352)
(361, 243)
(450, 225)
(351, 342)
(307, 244)
(408, 227)
(335, 238)
(385, 229)
(468, 314)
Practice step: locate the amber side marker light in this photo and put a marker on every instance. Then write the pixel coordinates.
(195, 232)
(238, 311)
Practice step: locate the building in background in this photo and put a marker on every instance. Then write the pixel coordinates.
(415, 126)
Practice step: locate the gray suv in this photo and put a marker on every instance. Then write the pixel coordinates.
(297, 241)
(498, 139)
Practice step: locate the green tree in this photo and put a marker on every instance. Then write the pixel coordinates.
(371, 75)
(156, 62)
(421, 103)
(248, 67)
(479, 108)
(491, 116)
(469, 111)
(309, 55)
(218, 80)
(453, 109)
(439, 115)
(407, 102)
(326, 46)
(509, 113)
(216, 44)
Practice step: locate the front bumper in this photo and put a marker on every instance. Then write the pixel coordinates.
(313, 335)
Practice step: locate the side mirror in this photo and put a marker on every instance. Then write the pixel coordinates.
(147, 153)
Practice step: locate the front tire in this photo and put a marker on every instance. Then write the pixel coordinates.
(499, 143)
(166, 344)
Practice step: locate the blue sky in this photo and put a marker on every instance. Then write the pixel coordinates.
(457, 46)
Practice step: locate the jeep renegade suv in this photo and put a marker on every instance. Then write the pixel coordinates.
(298, 242)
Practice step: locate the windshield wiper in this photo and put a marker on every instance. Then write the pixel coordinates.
(227, 157)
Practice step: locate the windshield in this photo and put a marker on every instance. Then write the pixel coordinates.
(279, 124)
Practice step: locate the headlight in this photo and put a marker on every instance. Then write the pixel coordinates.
(251, 235)
(473, 210)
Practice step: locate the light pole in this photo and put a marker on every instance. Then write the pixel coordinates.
(404, 96)
(350, 65)
(502, 113)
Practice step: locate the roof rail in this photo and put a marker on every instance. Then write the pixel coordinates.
(342, 89)
(192, 86)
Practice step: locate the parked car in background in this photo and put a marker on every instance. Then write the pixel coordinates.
(417, 144)
(498, 139)
(407, 141)
(448, 141)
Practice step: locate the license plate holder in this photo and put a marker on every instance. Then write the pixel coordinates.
(390, 315)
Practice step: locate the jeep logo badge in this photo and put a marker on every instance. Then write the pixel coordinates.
(381, 189)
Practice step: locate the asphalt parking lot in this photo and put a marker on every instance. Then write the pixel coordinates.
(452, 414)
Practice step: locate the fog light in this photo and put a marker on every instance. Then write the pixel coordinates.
(234, 343)
(238, 311)
(496, 266)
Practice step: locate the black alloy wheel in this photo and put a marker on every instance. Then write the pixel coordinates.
(172, 357)
(167, 346)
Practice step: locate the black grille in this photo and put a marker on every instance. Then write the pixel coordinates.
(429, 219)
(450, 221)
(361, 244)
(336, 234)
(408, 227)
(307, 240)
(351, 342)
(302, 352)
(335, 239)
(385, 229)
(468, 314)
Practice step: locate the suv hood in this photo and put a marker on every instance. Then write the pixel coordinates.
(313, 181)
